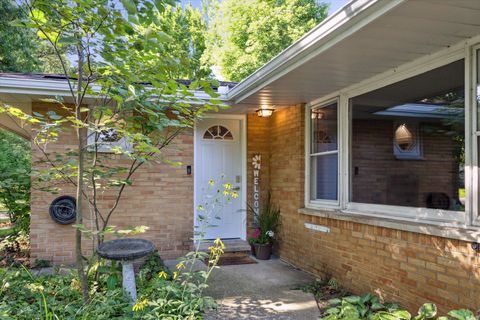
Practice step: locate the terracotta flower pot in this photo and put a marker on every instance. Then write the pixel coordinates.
(263, 251)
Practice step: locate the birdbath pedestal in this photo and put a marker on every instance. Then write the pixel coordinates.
(125, 251)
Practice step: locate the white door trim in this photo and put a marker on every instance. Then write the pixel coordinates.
(243, 144)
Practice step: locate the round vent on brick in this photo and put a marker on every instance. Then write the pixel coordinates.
(63, 210)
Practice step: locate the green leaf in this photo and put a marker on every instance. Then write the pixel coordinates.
(112, 281)
(462, 314)
(130, 6)
(402, 314)
(334, 301)
(427, 311)
(352, 299)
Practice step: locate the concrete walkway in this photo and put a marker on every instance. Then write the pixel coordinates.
(266, 290)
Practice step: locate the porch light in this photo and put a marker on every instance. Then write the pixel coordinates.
(264, 112)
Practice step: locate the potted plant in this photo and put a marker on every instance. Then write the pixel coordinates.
(268, 225)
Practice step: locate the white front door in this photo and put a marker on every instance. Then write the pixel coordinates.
(218, 156)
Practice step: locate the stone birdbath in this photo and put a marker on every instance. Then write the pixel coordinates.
(125, 251)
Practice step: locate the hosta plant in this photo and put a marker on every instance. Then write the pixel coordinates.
(370, 307)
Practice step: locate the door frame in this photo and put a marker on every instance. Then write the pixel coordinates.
(243, 147)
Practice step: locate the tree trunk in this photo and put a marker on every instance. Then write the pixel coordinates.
(80, 183)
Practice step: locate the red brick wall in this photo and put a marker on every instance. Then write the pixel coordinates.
(161, 198)
(378, 169)
(402, 266)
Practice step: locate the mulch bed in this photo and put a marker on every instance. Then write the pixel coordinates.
(5, 224)
(15, 251)
(323, 291)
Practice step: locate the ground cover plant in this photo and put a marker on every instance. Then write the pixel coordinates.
(336, 303)
(372, 307)
(163, 294)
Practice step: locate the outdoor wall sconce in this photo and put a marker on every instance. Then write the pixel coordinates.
(264, 112)
(317, 115)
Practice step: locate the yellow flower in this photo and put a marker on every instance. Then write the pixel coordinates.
(175, 274)
(180, 266)
(226, 193)
(219, 242)
(234, 195)
(227, 186)
(211, 182)
(162, 274)
(140, 305)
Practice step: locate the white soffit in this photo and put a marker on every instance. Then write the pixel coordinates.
(370, 37)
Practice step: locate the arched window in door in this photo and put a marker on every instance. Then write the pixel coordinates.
(217, 132)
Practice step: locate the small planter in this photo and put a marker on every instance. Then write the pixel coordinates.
(263, 251)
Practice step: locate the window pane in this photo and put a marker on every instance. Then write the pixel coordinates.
(324, 128)
(324, 173)
(408, 142)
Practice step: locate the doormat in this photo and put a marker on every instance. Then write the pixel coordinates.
(231, 261)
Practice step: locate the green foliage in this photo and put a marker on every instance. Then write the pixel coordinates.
(182, 296)
(370, 307)
(244, 35)
(269, 221)
(20, 51)
(163, 295)
(187, 28)
(153, 266)
(133, 69)
(126, 59)
(56, 297)
(15, 179)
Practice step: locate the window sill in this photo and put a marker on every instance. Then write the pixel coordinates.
(440, 229)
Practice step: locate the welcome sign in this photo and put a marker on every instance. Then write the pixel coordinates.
(256, 163)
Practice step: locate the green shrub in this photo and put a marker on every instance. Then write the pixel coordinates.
(370, 307)
(15, 179)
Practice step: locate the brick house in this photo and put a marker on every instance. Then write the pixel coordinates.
(371, 153)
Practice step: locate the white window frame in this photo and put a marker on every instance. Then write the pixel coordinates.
(460, 219)
(473, 79)
(320, 203)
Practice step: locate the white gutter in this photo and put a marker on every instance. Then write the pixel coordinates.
(60, 88)
(343, 23)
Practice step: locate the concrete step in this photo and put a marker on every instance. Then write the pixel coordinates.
(232, 246)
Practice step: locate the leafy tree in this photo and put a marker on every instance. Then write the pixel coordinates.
(15, 179)
(187, 28)
(119, 61)
(244, 35)
(20, 51)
